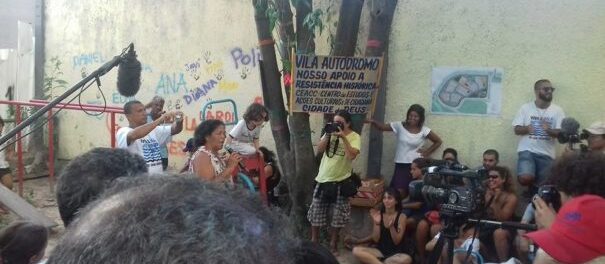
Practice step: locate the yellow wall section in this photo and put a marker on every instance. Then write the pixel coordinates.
(560, 40)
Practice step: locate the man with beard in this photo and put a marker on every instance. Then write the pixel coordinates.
(538, 123)
(155, 110)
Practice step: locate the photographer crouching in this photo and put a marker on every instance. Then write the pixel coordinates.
(574, 174)
(334, 184)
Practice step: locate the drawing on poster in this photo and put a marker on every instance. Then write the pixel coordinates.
(466, 91)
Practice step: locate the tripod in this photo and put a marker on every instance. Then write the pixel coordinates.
(453, 221)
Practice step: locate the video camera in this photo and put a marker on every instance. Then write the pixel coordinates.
(456, 188)
(569, 133)
(333, 127)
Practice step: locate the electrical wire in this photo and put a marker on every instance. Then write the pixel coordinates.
(102, 95)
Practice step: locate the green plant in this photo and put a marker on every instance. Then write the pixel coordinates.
(29, 197)
(53, 77)
(313, 21)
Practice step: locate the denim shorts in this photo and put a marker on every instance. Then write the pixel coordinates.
(537, 165)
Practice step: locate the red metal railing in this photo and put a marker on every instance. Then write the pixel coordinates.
(51, 159)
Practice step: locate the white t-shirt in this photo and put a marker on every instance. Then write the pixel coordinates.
(243, 138)
(539, 141)
(476, 244)
(408, 144)
(148, 146)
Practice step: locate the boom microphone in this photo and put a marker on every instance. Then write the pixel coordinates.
(569, 125)
(129, 73)
(569, 131)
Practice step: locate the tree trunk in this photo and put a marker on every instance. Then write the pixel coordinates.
(306, 166)
(295, 152)
(272, 94)
(346, 42)
(382, 12)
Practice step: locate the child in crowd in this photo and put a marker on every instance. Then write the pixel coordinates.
(23, 242)
(272, 173)
(189, 149)
(243, 138)
(415, 207)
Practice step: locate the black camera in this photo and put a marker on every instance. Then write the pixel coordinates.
(333, 127)
(550, 195)
(571, 138)
(458, 189)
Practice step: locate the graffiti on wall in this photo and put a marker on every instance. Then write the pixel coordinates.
(199, 92)
(224, 110)
(242, 57)
(85, 59)
(171, 84)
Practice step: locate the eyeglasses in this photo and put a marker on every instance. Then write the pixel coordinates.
(548, 89)
(494, 176)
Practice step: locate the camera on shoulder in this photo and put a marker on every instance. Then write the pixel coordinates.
(332, 127)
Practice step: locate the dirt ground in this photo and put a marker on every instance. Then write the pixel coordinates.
(38, 192)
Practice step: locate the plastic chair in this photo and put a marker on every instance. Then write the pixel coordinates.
(251, 163)
(247, 182)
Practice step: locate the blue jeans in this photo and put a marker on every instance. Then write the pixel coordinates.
(536, 165)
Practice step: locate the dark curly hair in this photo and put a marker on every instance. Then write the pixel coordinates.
(397, 195)
(578, 173)
(505, 174)
(205, 129)
(177, 219)
(255, 112)
(419, 110)
(89, 174)
(22, 240)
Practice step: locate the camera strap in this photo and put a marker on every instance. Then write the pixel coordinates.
(335, 146)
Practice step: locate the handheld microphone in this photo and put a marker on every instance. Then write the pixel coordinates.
(129, 73)
(230, 151)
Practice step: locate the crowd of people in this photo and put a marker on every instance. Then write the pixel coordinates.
(121, 206)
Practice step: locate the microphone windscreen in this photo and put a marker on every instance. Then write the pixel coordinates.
(569, 125)
(129, 74)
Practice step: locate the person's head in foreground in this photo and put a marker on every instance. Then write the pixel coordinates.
(86, 176)
(177, 219)
(22, 243)
(576, 236)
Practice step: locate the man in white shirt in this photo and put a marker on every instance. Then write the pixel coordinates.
(538, 123)
(145, 138)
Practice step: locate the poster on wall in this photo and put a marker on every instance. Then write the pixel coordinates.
(466, 91)
(326, 84)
